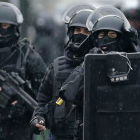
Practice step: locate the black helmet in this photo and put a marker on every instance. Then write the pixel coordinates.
(113, 23)
(74, 9)
(12, 15)
(9, 13)
(110, 18)
(107, 18)
(80, 18)
(77, 16)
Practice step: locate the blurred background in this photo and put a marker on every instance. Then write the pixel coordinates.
(53, 8)
(43, 24)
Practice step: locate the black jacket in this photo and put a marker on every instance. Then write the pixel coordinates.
(49, 89)
(72, 89)
(23, 59)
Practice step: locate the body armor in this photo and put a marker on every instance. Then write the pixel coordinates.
(65, 114)
(14, 62)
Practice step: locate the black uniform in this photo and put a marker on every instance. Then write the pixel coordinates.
(57, 74)
(62, 119)
(17, 56)
(72, 92)
(73, 89)
(14, 120)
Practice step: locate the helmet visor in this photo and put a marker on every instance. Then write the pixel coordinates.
(19, 16)
(74, 9)
(103, 12)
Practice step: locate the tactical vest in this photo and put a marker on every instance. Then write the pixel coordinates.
(16, 59)
(13, 60)
(64, 115)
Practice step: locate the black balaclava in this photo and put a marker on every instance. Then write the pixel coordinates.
(78, 38)
(108, 44)
(78, 46)
(8, 37)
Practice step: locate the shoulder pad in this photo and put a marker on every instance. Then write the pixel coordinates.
(62, 67)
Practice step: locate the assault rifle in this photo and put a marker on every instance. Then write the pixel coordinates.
(11, 84)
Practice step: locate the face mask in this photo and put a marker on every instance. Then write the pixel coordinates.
(80, 47)
(6, 32)
(108, 44)
(78, 38)
(7, 37)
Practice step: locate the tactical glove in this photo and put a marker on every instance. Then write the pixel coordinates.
(96, 51)
(37, 120)
(18, 110)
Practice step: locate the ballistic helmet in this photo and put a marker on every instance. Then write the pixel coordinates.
(10, 14)
(107, 18)
(77, 16)
(110, 18)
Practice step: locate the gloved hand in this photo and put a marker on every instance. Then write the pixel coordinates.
(95, 51)
(17, 109)
(132, 34)
(37, 124)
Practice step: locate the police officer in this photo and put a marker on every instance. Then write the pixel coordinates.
(109, 33)
(17, 55)
(57, 73)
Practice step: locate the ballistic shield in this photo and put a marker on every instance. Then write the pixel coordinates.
(112, 97)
